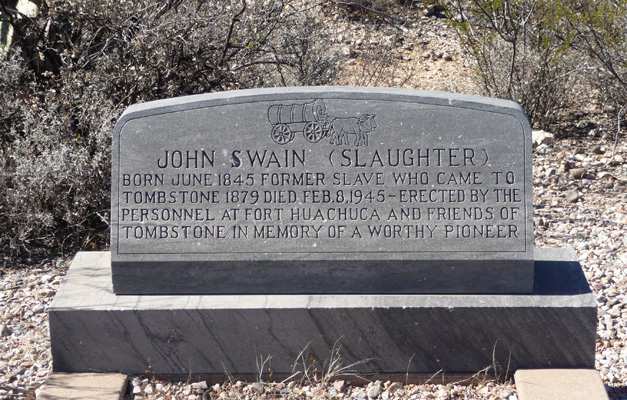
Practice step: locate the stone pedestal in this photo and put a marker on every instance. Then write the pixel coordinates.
(92, 329)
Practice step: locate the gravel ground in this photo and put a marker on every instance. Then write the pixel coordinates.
(339, 389)
(25, 359)
(580, 197)
(580, 200)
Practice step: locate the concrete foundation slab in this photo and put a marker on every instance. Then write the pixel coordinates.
(92, 329)
(558, 384)
(87, 386)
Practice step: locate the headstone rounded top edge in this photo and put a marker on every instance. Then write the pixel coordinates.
(475, 102)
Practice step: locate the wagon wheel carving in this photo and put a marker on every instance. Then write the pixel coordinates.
(282, 134)
(313, 132)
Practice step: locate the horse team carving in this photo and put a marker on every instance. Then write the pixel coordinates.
(313, 121)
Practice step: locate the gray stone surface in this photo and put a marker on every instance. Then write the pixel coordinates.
(322, 190)
(92, 329)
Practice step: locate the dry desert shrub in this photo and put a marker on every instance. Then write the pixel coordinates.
(74, 68)
(546, 54)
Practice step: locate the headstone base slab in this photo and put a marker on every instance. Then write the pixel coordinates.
(92, 329)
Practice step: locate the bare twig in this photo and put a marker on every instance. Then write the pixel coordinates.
(433, 376)
(227, 41)
(228, 374)
(291, 376)
(616, 136)
(261, 364)
(407, 371)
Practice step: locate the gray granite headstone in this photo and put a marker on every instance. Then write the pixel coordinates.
(322, 190)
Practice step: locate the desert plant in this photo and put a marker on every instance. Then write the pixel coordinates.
(55, 148)
(517, 53)
(311, 371)
(73, 69)
(599, 30)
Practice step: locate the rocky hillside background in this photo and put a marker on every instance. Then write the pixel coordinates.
(73, 66)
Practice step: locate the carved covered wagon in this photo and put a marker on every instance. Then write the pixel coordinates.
(288, 119)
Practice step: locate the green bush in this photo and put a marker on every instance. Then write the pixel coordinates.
(55, 159)
(517, 53)
(74, 68)
(546, 54)
(598, 29)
